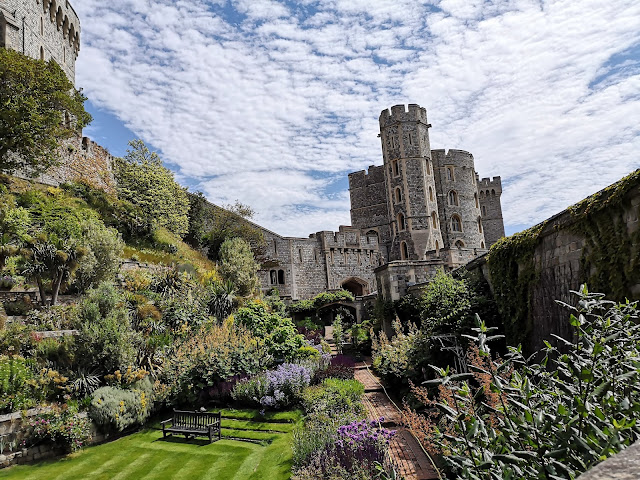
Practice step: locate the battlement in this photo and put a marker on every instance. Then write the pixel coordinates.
(347, 237)
(62, 14)
(400, 113)
(488, 183)
(374, 175)
(460, 158)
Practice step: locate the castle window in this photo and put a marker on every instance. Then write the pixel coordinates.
(398, 195)
(410, 139)
(453, 198)
(456, 223)
(430, 194)
(484, 211)
(401, 222)
(428, 163)
(281, 277)
(460, 244)
(300, 255)
(64, 55)
(479, 225)
(481, 244)
(273, 277)
(275, 247)
(493, 192)
(41, 26)
(396, 168)
(42, 53)
(404, 251)
(475, 197)
(315, 256)
(434, 220)
(450, 174)
(437, 247)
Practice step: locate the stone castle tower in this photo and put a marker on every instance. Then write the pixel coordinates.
(42, 29)
(427, 208)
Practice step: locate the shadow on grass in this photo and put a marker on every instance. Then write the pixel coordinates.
(201, 442)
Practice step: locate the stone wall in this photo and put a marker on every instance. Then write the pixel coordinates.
(596, 241)
(490, 191)
(14, 430)
(44, 30)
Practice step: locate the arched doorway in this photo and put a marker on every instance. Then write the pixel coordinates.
(356, 286)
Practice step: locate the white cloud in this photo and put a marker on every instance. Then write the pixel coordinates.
(267, 106)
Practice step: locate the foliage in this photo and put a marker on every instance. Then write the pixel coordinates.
(334, 397)
(338, 333)
(211, 354)
(14, 374)
(279, 334)
(34, 94)
(102, 260)
(143, 181)
(116, 408)
(63, 428)
(445, 305)
(320, 300)
(106, 341)
(274, 389)
(552, 419)
(220, 300)
(340, 366)
(222, 224)
(392, 358)
(237, 265)
(14, 227)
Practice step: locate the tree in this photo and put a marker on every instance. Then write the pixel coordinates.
(147, 184)
(231, 221)
(14, 227)
(35, 99)
(237, 265)
(102, 260)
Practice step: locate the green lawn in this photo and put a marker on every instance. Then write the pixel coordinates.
(146, 455)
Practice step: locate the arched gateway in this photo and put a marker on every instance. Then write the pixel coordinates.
(356, 286)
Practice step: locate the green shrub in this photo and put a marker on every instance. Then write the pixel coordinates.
(114, 408)
(334, 396)
(15, 373)
(102, 260)
(65, 428)
(237, 265)
(250, 390)
(307, 352)
(553, 415)
(391, 358)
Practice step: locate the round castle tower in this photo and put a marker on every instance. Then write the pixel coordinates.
(410, 183)
(42, 29)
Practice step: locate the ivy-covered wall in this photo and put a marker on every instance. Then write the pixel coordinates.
(596, 241)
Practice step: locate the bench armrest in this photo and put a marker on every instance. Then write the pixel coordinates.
(166, 421)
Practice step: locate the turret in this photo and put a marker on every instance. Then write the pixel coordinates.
(404, 133)
(489, 192)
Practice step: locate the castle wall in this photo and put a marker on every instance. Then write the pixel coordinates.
(42, 29)
(490, 191)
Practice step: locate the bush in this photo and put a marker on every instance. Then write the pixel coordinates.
(391, 358)
(106, 341)
(340, 366)
(279, 334)
(274, 389)
(550, 418)
(61, 427)
(102, 260)
(238, 266)
(334, 397)
(117, 409)
(15, 392)
(210, 355)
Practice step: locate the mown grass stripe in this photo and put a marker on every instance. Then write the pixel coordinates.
(127, 472)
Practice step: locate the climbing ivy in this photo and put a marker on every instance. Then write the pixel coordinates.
(325, 298)
(610, 259)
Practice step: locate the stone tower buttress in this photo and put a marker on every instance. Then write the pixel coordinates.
(490, 191)
(409, 182)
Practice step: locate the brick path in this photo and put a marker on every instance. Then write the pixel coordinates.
(412, 462)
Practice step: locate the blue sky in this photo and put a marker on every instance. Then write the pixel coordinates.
(273, 103)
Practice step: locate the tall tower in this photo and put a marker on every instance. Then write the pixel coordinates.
(409, 181)
(490, 191)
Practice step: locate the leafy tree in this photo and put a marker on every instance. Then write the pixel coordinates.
(446, 305)
(279, 333)
(35, 97)
(238, 266)
(231, 221)
(102, 260)
(14, 227)
(147, 184)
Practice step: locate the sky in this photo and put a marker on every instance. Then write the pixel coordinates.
(273, 103)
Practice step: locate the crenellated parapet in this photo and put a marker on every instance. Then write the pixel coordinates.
(42, 29)
(374, 175)
(489, 185)
(400, 113)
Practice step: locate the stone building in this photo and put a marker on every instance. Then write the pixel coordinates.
(421, 210)
(42, 29)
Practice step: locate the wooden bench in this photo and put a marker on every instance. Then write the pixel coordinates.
(198, 424)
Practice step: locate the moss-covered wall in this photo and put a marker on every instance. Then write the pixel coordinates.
(596, 241)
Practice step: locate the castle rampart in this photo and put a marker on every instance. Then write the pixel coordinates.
(42, 29)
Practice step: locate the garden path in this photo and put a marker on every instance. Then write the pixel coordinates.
(412, 461)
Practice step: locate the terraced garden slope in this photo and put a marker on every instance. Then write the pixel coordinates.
(264, 453)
